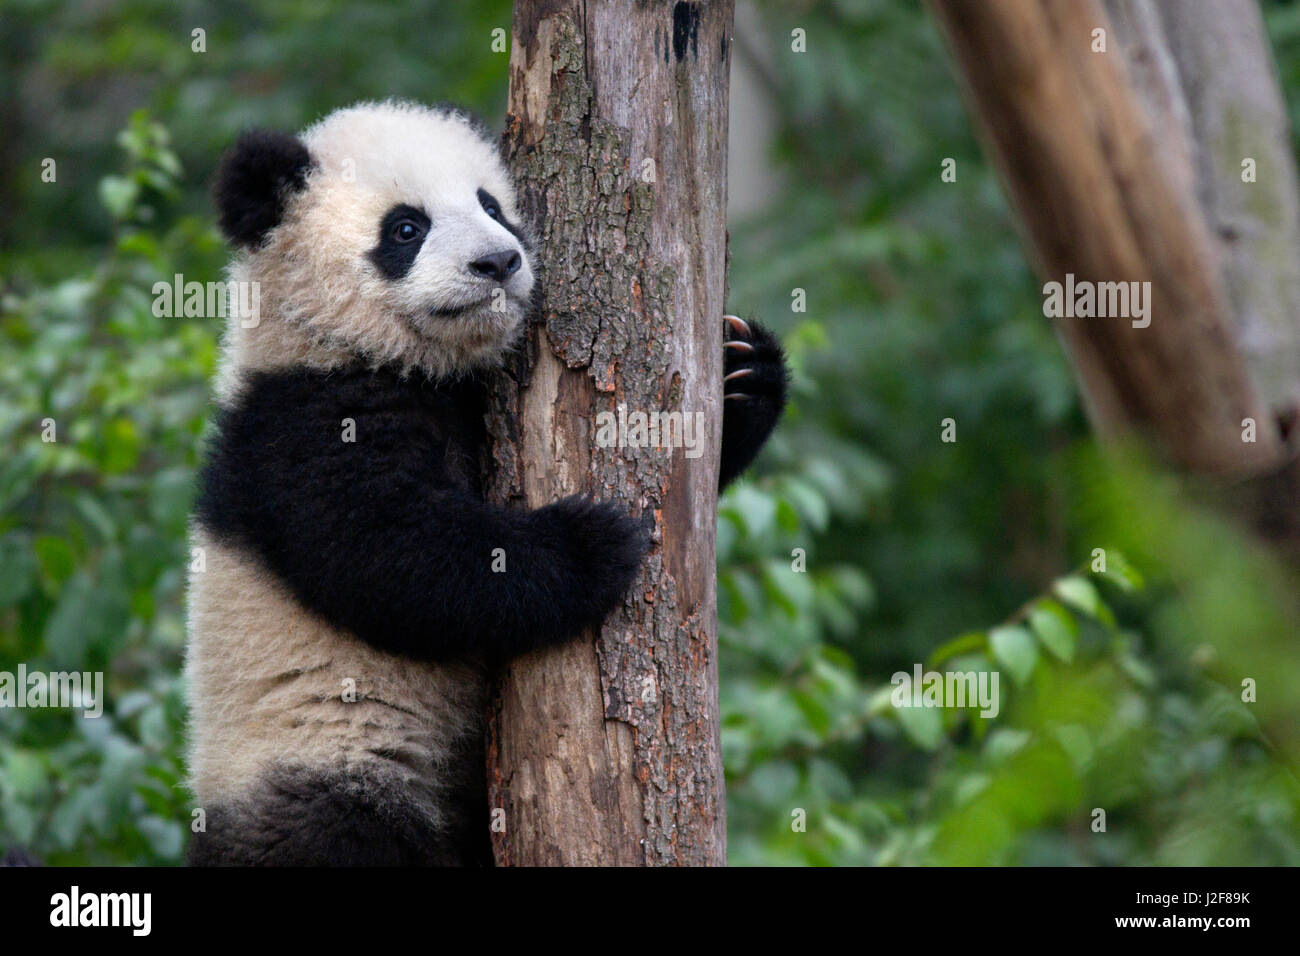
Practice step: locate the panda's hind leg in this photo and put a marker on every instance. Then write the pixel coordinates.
(305, 818)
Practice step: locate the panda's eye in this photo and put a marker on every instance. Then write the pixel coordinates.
(490, 205)
(406, 231)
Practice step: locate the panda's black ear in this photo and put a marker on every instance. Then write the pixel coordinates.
(253, 183)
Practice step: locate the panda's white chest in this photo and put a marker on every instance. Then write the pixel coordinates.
(272, 684)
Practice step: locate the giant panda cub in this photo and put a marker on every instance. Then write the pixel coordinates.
(346, 610)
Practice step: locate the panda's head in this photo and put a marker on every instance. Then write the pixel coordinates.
(387, 231)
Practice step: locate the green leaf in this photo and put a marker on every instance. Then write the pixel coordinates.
(809, 501)
(68, 629)
(777, 782)
(1122, 573)
(121, 445)
(24, 770)
(787, 518)
(18, 568)
(72, 814)
(96, 515)
(90, 615)
(726, 540)
(813, 710)
(154, 731)
(17, 475)
(923, 725)
(1077, 744)
(792, 590)
(56, 559)
(166, 837)
(1136, 668)
(119, 195)
(20, 822)
(829, 778)
(972, 641)
(1080, 594)
(757, 509)
(1014, 649)
(854, 585)
(1004, 743)
(1055, 628)
(970, 787)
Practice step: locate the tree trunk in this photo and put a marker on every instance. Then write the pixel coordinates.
(1218, 104)
(1237, 113)
(1102, 157)
(606, 752)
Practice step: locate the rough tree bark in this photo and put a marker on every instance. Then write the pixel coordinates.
(606, 751)
(1100, 156)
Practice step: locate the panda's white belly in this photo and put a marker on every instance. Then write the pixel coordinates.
(273, 685)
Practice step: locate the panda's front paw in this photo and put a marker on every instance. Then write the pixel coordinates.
(753, 392)
(604, 548)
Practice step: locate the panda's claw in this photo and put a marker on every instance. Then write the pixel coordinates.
(751, 359)
(740, 326)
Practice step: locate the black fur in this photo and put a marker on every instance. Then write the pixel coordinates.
(388, 536)
(253, 182)
(392, 256)
(748, 421)
(306, 817)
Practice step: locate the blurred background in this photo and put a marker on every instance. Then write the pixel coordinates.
(1122, 689)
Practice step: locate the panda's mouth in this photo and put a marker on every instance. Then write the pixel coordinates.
(456, 311)
(479, 318)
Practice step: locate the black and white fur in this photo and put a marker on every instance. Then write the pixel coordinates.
(347, 609)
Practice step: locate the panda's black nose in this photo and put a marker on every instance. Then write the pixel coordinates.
(496, 265)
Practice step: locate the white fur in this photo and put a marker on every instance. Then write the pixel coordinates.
(267, 683)
(324, 303)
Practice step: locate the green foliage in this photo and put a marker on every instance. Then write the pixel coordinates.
(920, 308)
(101, 406)
(1095, 717)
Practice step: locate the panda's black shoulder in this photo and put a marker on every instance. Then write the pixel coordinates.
(315, 407)
(303, 393)
(286, 398)
(298, 434)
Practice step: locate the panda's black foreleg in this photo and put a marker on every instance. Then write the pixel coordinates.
(563, 568)
(378, 537)
(467, 578)
(754, 391)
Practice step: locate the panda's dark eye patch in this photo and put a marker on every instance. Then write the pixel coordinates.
(490, 205)
(493, 209)
(401, 234)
